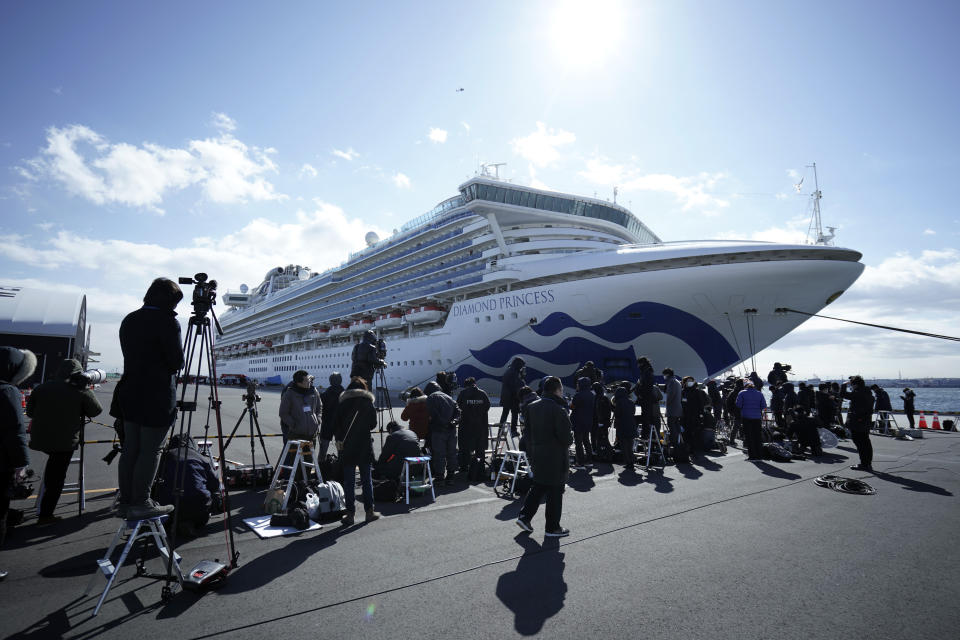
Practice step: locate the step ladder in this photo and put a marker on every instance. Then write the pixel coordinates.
(514, 465)
(501, 443)
(79, 486)
(149, 529)
(298, 457)
(426, 480)
(885, 424)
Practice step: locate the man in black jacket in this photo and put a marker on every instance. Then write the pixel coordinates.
(16, 365)
(444, 415)
(474, 406)
(401, 443)
(366, 358)
(59, 408)
(512, 382)
(328, 417)
(549, 434)
(152, 355)
(859, 417)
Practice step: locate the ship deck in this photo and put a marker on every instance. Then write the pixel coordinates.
(723, 548)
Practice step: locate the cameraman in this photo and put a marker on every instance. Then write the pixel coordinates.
(301, 408)
(444, 416)
(859, 418)
(59, 408)
(16, 365)
(152, 355)
(366, 358)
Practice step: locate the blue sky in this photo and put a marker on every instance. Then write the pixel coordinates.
(139, 140)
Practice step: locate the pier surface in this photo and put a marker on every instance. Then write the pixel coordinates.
(724, 548)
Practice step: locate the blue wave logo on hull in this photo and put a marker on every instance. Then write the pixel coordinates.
(625, 326)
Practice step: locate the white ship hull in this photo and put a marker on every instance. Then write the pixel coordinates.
(699, 319)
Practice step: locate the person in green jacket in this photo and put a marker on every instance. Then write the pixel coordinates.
(58, 407)
(548, 437)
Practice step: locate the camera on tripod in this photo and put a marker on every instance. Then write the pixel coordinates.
(381, 352)
(251, 397)
(84, 379)
(204, 292)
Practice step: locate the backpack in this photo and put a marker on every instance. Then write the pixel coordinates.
(330, 501)
(777, 452)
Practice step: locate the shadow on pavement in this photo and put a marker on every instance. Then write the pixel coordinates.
(689, 471)
(581, 480)
(775, 472)
(662, 484)
(629, 477)
(912, 485)
(535, 591)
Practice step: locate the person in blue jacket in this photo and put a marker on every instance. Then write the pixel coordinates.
(751, 404)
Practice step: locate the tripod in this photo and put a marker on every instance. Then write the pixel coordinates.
(653, 439)
(198, 331)
(383, 398)
(251, 411)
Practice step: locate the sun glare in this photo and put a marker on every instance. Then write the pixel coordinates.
(585, 33)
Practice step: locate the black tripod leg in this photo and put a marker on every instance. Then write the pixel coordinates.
(235, 427)
(256, 423)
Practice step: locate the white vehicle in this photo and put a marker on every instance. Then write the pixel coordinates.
(502, 270)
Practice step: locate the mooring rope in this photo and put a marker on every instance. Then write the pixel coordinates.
(878, 326)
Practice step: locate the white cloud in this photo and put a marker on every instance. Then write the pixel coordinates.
(347, 155)
(466, 126)
(307, 171)
(401, 181)
(540, 147)
(44, 226)
(226, 169)
(437, 135)
(224, 122)
(692, 192)
(794, 231)
(793, 174)
(929, 232)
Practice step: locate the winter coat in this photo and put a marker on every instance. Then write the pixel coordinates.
(58, 409)
(474, 407)
(805, 398)
(751, 404)
(582, 413)
(152, 355)
(417, 416)
(644, 387)
(624, 412)
(548, 438)
(443, 411)
(201, 486)
(300, 410)
(590, 372)
(826, 409)
(861, 401)
(883, 401)
(789, 396)
(692, 400)
(331, 400)
(755, 379)
(730, 402)
(776, 376)
(511, 383)
(13, 433)
(356, 409)
(602, 406)
(714, 392)
(674, 401)
(908, 401)
(402, 443)
(365, 358)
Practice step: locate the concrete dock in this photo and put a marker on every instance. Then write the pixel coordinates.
(723, 548)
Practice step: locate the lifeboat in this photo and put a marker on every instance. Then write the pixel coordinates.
(269, 343)
(340, 329)
(361, 325)
(388, 320)
(425, 314)
(323, 331)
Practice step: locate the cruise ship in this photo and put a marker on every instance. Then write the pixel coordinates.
(502, 270)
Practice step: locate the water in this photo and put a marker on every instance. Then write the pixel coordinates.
(944, 400)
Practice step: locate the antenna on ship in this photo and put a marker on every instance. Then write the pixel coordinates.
(815, 226)
(485, 169)
(615, 195)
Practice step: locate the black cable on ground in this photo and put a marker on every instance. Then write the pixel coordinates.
(878, 326)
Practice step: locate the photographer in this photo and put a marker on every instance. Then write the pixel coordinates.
(510, 386)
(301, 408)
(16, 365)
(777, 375)
(908, 408)
(59, 408)
(330, 398)
(859, 418)
(444, 415)
(367, 358)
(474, 426)
(356, 418)
(152, 355)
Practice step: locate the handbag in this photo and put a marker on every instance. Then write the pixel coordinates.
(340, 442)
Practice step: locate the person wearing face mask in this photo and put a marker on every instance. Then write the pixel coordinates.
(859, 417)
(692, 400)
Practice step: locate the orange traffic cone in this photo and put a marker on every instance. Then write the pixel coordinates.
(936, 421)
(923, 422)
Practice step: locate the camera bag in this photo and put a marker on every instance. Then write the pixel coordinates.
(330, 502)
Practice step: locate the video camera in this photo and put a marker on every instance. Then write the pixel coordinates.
(204, 292)
(84, 379)
(381, 351)
(251, 396)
